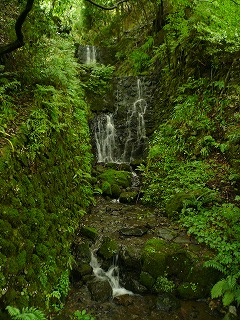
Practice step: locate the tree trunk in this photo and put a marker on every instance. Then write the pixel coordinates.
(19, 42)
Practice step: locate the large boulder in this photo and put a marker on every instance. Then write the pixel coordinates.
(113, 182)
(108, 249)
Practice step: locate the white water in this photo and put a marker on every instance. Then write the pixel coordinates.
(106, 136)
(112, 276)
(90, 55)
(135, 119)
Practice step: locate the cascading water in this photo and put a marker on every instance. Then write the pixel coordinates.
(136, 132)
(112, 276)
(122, 141)
(105, 137)
(90, 54)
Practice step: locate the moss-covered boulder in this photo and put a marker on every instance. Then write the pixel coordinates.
(121, 178)
(201, 280)
(154, 257)
(89, 232)
(108, 249)
(176, 203)
(128, 197)
(113, 182)
(147, 280)
(170, 267)
(112, 191)
(156, 254)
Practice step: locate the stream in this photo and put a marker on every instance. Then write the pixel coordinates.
(129, 225)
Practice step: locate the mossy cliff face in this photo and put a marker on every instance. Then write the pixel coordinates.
(45, 174)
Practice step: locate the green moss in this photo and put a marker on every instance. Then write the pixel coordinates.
(190, 291)
(108, 249)
(147, 280)
(120, 178)
(89, 232)
(154, 257)
(128, 197)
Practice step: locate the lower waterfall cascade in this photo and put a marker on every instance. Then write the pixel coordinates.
(112, 276)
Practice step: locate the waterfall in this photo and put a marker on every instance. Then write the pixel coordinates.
(120, 137)
(90, 54)
(105, 134)
(136, 132)
(112, 276)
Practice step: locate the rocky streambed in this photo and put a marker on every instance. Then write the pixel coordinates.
(157, 261)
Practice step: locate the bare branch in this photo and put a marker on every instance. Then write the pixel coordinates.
(19, 42)
(106, 8)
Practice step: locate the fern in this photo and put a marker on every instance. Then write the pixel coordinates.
(217, 289)
(26, 313)
(228, 289)
(216, 265)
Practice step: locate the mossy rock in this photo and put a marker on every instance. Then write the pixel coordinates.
(108, 249)
(155, 255)
(121, 178)
(176, 203)
(112, 191)
(85, 269)
(190, 291)
(204, 277)
(179, 264)
(89, 232)
(146, 280)
(128, 197)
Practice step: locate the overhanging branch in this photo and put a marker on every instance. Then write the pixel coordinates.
(19, 42)
(106, 8)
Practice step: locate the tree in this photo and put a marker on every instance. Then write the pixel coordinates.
(19, 42)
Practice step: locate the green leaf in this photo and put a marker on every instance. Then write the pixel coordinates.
(228, 298)
(217, 289)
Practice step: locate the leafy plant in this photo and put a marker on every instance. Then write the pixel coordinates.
(25, 314)
(82, 315)
(228, 289)
(163, 284)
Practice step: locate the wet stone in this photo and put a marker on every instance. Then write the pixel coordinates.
(167, 234)
(167, 302)
(124, 300)
(135, 232)
(101, 291)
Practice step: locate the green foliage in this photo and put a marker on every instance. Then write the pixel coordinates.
(140, 57)
(228, 289)
(218, 228)
(163, 284)
(45, 174)
(82, 315)
(25, 314)
(218, 23)
(99, 79)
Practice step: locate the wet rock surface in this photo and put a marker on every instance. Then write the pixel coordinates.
(128, 228)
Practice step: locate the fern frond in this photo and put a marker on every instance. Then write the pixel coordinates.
(26, 313)
(216, 265)
(228, 298)
(13, 311)
(218, 289)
